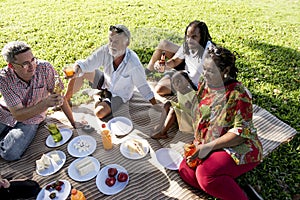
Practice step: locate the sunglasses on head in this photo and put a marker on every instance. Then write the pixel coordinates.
(115, 29)
(215, 50)
(223, 54)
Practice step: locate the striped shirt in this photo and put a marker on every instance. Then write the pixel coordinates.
(15, 91)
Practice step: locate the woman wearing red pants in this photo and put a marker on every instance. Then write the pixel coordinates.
(226, 143)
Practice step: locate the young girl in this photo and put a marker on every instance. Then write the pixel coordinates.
(177, 112)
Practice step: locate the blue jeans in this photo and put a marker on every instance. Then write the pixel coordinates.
(15, 140)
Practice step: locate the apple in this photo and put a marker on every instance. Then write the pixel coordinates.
(59, 183)
(122, 177)
(110, 181)
(58, 188)
(48, 187)
(112, 172)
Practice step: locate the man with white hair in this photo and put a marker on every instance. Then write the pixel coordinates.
(122, 71)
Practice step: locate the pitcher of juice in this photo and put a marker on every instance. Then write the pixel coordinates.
(190, 149)
(106, 137)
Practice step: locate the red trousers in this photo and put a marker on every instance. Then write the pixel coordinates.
(216, 176)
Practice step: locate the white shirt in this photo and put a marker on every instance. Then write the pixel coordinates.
(192, 64)
(121, 82)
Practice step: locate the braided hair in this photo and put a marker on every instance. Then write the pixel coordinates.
(204, 36)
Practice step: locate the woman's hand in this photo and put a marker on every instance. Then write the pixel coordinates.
(202, 150)
(159, 67)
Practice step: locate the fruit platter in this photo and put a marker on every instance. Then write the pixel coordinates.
(59, 189)
(112, 179)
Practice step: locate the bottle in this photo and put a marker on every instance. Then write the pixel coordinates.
(55, 133)
(57, 89)
(77, 195)
(162, 61)
(189, 149)
(163, 57)
(106, 137)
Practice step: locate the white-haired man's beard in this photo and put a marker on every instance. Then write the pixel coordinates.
(116, 53)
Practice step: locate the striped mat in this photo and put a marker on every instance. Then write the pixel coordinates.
(148, 179)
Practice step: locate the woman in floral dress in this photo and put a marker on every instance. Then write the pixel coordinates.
(225, 141)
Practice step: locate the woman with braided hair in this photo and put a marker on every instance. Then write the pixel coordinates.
(185, 57)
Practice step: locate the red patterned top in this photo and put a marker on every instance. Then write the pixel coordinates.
(227, 109)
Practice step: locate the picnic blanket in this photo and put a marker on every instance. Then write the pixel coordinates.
(147, 179)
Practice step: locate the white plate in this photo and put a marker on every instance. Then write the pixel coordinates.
(120, 125)
(66, 135)
(74, 174)
(54, 167)
(169, 158)
(60, 195)
(117, 187)
(75, 152)
(126, 153)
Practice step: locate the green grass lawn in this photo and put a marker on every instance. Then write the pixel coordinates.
(264, 33)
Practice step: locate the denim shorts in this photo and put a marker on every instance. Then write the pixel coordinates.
(15, 140)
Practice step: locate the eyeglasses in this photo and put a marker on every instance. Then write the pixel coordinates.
(26, 64)
(116, 29)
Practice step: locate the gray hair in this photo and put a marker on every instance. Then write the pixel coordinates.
(11, 49)
(120, 28)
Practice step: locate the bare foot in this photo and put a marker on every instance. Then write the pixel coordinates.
(159, 135)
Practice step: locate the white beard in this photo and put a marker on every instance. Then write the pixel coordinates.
(116, 53)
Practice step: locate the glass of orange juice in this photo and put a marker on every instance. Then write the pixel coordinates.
(106, 138)
(69, 71)
(190, 149)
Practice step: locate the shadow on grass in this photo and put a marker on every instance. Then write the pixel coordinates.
(278, 62)
(279, 68)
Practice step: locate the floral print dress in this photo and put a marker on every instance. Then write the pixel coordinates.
(227, 109)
